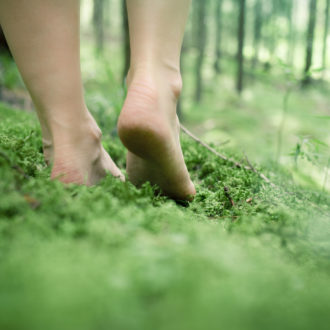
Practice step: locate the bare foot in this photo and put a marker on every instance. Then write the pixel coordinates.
(149, 128)
(79, 156)
(47, 140)
(47, 148)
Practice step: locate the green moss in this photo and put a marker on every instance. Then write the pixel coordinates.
(116, 257)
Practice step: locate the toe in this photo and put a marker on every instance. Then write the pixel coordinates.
(112, 168)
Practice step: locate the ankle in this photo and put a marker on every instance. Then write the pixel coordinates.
(67, 128)
(82, 136)
(156, 78)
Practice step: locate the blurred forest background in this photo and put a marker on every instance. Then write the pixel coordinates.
(256, 77)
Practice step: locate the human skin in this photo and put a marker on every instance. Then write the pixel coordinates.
(43, 36)
(148, 124)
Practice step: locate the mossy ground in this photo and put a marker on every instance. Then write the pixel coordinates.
(116, 257)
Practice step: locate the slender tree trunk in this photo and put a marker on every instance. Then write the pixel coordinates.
(218, 30)
(273, 31)
(126, 50)
(201, 40)
(257, 31)
(240, 55)
(107, 20)
(98, 24)
(194, 26)
(325, 34)
(291, 32)
(310, 40)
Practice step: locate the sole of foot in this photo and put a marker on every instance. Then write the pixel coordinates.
(149, 128)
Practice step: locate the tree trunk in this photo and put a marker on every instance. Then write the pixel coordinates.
(272, 41)
(310, 40)
(107, 18)
(201, 43)
(257, 31)
(291, 32)
(98, 24)
(126, 50)
(194, 25)
(218, 29)
(325, 35)
(240, 55)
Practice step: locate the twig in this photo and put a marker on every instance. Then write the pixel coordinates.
(185, 130)
(229, 160)
(261, 175)
(226, 190)
(14, 166)
(249, 163)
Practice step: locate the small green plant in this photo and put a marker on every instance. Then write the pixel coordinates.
(314, 151)
(311, 149)
(291, 83)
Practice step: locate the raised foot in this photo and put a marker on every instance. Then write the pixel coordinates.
(149, 128)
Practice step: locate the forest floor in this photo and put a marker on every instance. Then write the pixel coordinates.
(274, 121)
(116, 257)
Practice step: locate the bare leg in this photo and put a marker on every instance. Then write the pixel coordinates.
(148, 124)
(44, 38)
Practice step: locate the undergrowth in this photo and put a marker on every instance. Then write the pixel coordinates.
(116, 257)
